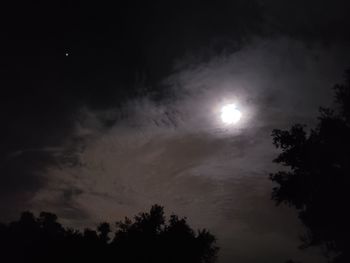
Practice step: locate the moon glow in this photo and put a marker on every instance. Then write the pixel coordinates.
(230, 114)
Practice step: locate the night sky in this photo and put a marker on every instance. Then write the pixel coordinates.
(107, 109)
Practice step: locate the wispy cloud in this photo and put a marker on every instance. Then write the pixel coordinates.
(179, 154)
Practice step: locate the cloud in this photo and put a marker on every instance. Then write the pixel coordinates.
(43, 92)
(118, 126)
(177, 152)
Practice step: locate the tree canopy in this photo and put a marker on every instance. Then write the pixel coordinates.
(316, 178)
(148, 237)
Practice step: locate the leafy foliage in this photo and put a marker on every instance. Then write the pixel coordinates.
(316, 180)
(146, 238)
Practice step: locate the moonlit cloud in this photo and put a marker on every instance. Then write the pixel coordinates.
(107, 109)
(181, 155)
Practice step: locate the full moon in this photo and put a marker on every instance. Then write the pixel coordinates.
(230, 114)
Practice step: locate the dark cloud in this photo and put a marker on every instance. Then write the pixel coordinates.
(311, 21)
(178, 151)
(129, 118)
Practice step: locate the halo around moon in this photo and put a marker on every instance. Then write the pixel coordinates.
(230, 114)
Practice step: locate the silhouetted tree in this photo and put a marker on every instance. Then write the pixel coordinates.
(316, 180)
(104, 229)
(159, 241)
(146, 238)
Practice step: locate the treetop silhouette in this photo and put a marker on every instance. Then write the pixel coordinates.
(148, 237)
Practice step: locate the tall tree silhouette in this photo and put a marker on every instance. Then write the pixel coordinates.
(316, 180)
(149, 237)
